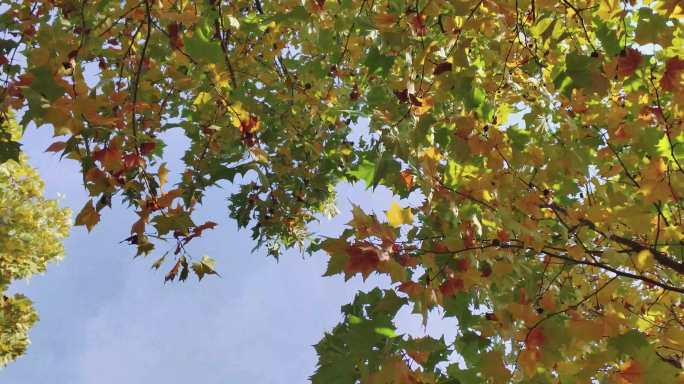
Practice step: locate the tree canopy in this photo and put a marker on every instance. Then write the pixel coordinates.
(543, 138)
(31, 232)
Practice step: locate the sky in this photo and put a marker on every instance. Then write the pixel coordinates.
(106, 317)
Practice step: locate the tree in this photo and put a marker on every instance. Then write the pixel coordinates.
(544, 138)
(31, 232)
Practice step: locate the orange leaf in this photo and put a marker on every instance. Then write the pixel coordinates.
(631, 372)
(88, 216)
(168, 198)
(407, 178)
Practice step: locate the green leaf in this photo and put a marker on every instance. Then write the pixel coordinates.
(202, 46)
(608, 38)
(45, 84)
(629, 343)
(386, 331)
(9, 150)
(378, 63)
(458, 306)
(582, 72)
(167, 223)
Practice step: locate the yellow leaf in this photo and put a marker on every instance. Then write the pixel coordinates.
(202, 98)
(607, 8)
(644, 260)
(396, 216)
(162, 173)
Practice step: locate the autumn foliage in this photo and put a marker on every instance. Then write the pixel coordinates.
(543, 139)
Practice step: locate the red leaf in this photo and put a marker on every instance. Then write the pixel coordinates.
(56, 146)
(147, 148)
(463, 264)
(174, 37)
(363, 258)
(98, 155)
(418, 24)
(670, 80)
(249, 125)
(628, 62)
(535, 338)
(451, 287)
(131, 161)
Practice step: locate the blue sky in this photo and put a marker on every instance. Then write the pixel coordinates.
(107, 318)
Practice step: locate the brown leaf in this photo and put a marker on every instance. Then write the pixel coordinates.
(442, 67)
(173, 272)
(200, 228)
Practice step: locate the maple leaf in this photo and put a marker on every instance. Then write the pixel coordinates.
(671, 79)
(628, 62)
(397, 216)
(492, 367)
(384, 20)
(451, 286)
(363, 258)
(166, 199)
(88, 216)
(171, 275)
(535, 338)
(407, 178)
(112, 159)
(204, 267)
(631, 372)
